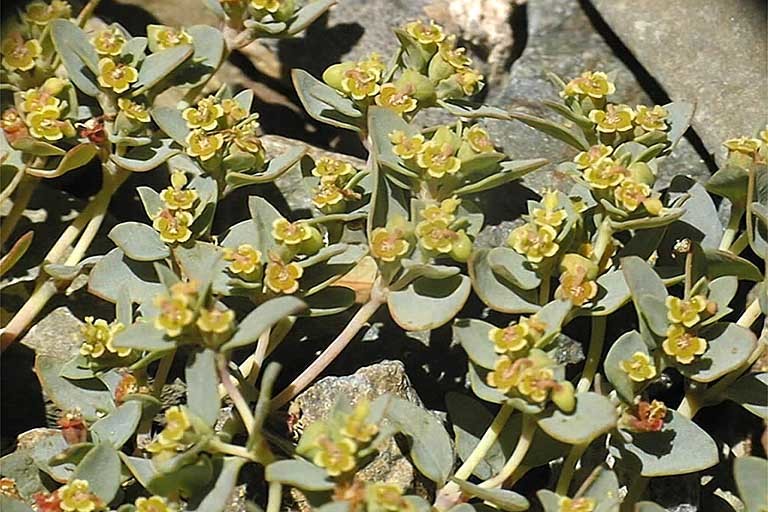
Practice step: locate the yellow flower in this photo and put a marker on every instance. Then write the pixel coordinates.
(290, 233)
(203, 145)
(233, 109)
(388, 244)
(215, 320)
(41, 13)
(168, 37)
(535, 383)
(154, 504)
(438, 159)
(381, 497)
(18, 53)
(328, 194)
(506, 373)
(98, 337)
(512, 338)
(360, 84)
(593, 84)
(394, 99)
(575, 287)
(605, 173)
(332, 167)
(76, 497)
(247, 138)
(745, 145)
(176, 425)
(469, 80)
(205, 115)
(175, 197)
(436, 236)
(442, 212)
(174, 314)
(592, 156)
(685, 312)
(577, 505)
(281, 277)
(133, 110)
(355, 426)
(651, 119)
(684, 346)
(336, 457)
(615, 118)
(173, 225)
(423, 33)
(243, 260)
(116, 76)
(108, 41)
(639, 367)
(406, 147)
(45, 124)
(631, 194)
(535, 242)
(478, 139)
(266, 5)
(456, 57)
(551, 214)
(372, 64)
(36, 99)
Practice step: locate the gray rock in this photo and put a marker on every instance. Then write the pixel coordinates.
(561, 39)
(710, 52)
(368, 383)
(56, 335)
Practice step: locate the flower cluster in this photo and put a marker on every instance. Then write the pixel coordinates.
(263, 11)
(443, 71)
(221, 128)
(173, 221)
(72, 497)
(98, 338)
(645, 416)
(639, 367)
(626, 186)
(539, 238)
(577, 279)
(40, 112)
(162, 37)
(332, 191)
(523, 369)
(682, 343)
(175, 436)
(437, 232)
(175, 311)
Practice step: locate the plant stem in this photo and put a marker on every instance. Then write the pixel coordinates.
(332, 351)
(258, 356)
(274, 497)
(603, 240)
(161, 377)
(739, 244)
(689, 406)
(489, 437)
(596, 342)
(688, 274)
(219, 446)
(546, 278)
(732, 229)
(24, 193)
(87, 12)
(634, 493)
(234, 394)
(569, 467)
(523, 444)
(11, 187)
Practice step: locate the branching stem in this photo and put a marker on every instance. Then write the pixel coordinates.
(596, 342)
(569, 467)
(243, 409)
(523, 444)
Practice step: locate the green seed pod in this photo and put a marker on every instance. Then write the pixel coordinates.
(286, 10)
(335, 74)
(571, 262)
(313, 244)
(462, 247)
(641, 173)
(564, 396)
(439, 69)
(417, 85)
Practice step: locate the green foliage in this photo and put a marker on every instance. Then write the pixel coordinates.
(207, 301)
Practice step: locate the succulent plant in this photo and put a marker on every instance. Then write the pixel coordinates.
(216, 302)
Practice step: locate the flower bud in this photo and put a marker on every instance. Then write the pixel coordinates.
(461, 247)
(564, 397)
(439, 68)
(653, 205)
(335, 74)
(54, 85)
(313, 244)
(421, 87)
